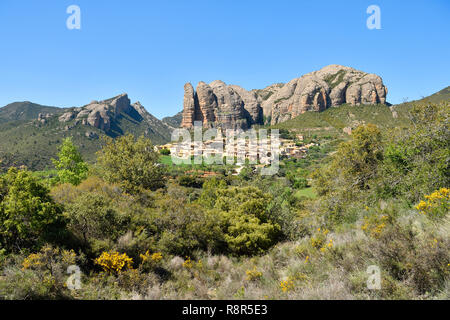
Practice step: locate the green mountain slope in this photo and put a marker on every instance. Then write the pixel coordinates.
(34, 143)
(443, 95)
(25, 140)
(25, 111)
(174, 121)
(338, 120)
(334, 121)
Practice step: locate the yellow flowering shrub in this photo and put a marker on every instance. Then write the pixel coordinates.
(319, 241)
(188, 263)
(330, 243)
(44, 273)
(435, 205)
(287, 285)
(155, 257)
(253, 274)
(194, 267)
(68, 257)
(113, 262)
(145, 257)
(33, 260)
(150, 260)
(48, 257)
(374, 225)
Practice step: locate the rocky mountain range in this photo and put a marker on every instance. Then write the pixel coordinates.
(30, 133)
(107, 115)
(230, 106)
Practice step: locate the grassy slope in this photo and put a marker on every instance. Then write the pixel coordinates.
(33, 144)
(326, 129)
(25, 111)
(443, 95)
(28, 143)
(334, 120)
(307, 192)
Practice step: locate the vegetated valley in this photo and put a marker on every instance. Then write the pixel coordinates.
(74, 191)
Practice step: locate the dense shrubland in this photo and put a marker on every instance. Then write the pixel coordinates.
(142, 230)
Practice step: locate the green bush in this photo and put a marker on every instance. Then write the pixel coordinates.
(245, 219)
(28, 215)
(70, 165)
(165, 152)
(190, 181)
(180, 227)
(416, 160)
(40, 275)
(132, 164)
(93, 216)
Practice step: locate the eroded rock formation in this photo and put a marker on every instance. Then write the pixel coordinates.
(105, 115)
(229, 106)
(99, 114)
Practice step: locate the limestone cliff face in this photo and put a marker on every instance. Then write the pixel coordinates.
(219, 105)
(230, 106)
(106, 115)
(189, 106)
(99, 114)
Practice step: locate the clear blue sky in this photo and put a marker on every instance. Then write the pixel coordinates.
(149, 49)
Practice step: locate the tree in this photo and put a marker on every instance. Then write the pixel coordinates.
(245, 219)
(181, 227)
(416, 161)
(298, 178)
(355, 163)
(351, 175)
(360, 157)
(208, 196)
(131, 163)
(70, 165)
(28, 215)
(92, 216)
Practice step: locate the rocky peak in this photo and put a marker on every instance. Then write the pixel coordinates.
(231, 106)
(140, 109)
(144, 114)
(330, 86)
(117, 116)
(43, 117)
(190, 108)
(219, 105)
(99, 114)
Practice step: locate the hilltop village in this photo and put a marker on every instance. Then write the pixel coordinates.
(241, 149)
